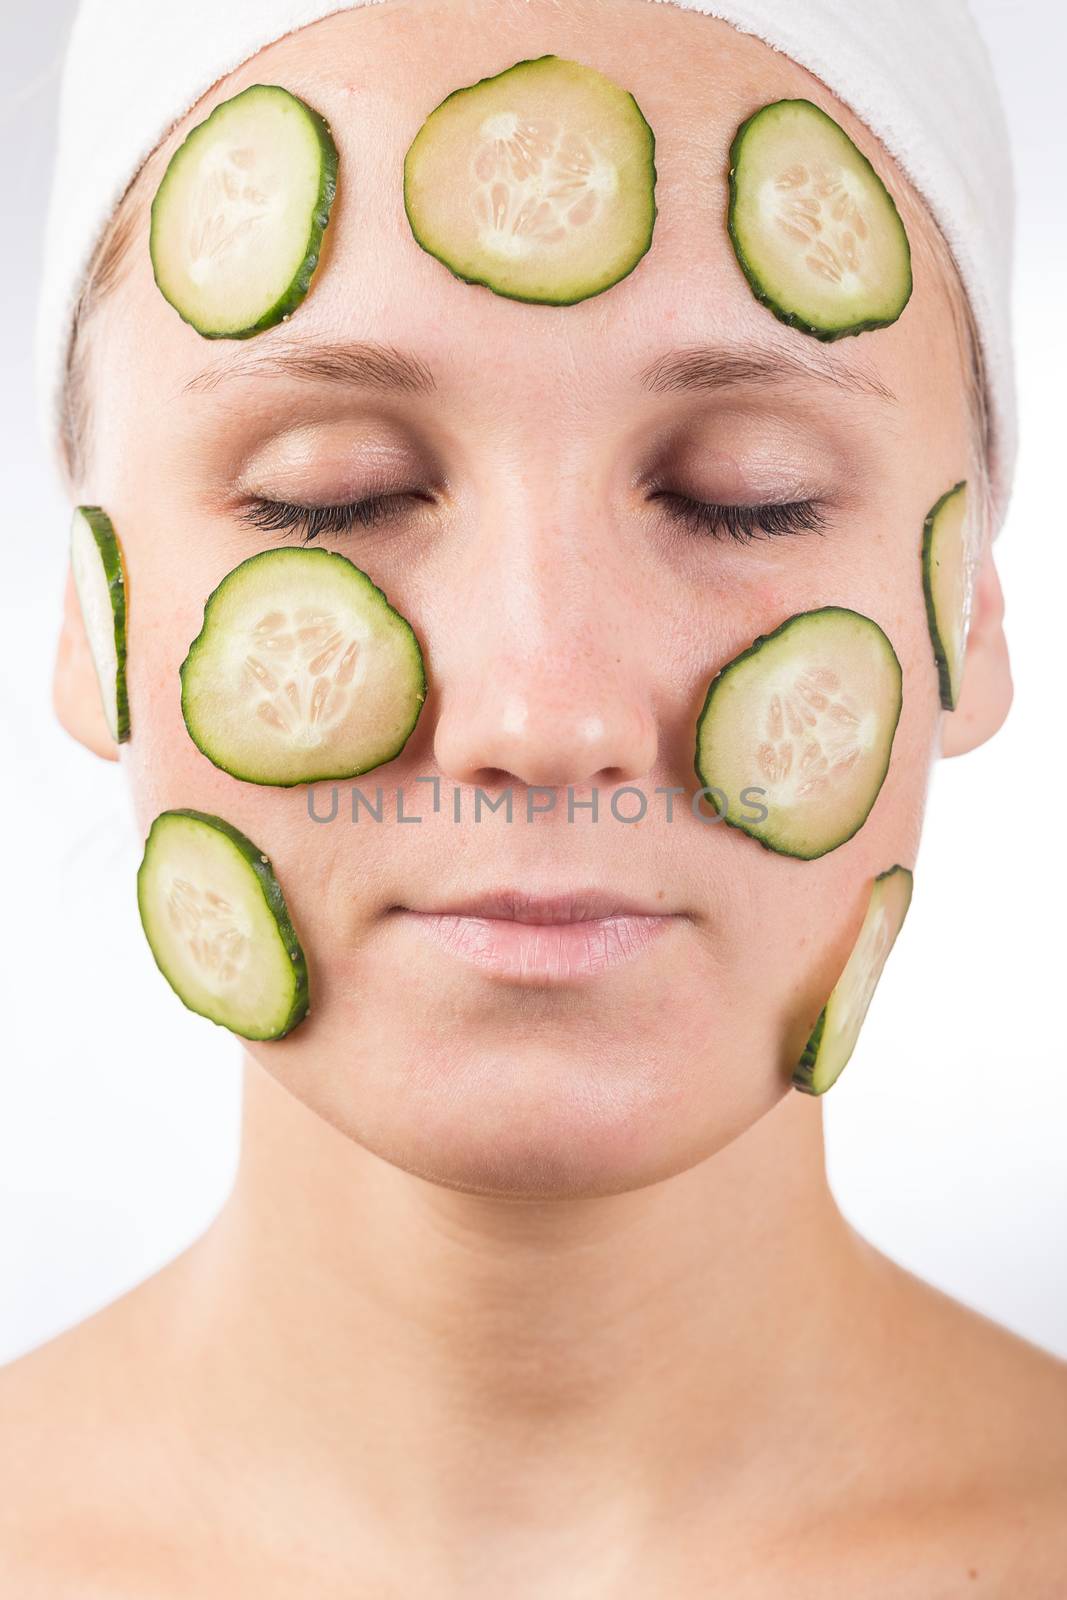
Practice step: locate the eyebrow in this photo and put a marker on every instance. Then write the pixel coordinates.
(702, 367)
(358, 364)
(713, 367)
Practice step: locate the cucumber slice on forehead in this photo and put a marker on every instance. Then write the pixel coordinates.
(100, 582)
(834, 1036)
(537, 183)
(946, 588)
(216, 921)
(806, 715)
(238, 219)
(814, 228)
(302, 671)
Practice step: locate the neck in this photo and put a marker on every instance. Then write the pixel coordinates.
(450, 1360)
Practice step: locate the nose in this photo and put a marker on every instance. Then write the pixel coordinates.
(547, 675)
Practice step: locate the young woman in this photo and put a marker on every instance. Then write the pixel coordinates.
(531, 1282)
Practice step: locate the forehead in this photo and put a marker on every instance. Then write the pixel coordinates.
(376, 72)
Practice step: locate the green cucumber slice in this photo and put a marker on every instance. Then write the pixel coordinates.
(216, 922)
(945, 588)
(100, 582)
(302, 671)
(806, 715)
(814, 228)
(537, 183)
(238, 219)
(834, 1035)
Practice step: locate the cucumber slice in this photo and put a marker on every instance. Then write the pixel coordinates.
(238, 219)
(813, 226)
(537, 183)
(100, 582)
(217, 924)
(806, 714)
(945, 588)
(834, 1035)
(301, 671)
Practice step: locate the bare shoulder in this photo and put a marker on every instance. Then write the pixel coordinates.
(974, 1431)
(1006, 1395)
(85, 1430)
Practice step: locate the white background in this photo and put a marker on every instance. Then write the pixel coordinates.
(947, 1136)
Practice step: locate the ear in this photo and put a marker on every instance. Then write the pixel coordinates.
(986, 690)
(75, 686)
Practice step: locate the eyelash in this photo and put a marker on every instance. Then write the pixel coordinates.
(739, 523)
(745, 523)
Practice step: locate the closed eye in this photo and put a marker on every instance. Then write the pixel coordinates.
(742, 523)
(317, 520)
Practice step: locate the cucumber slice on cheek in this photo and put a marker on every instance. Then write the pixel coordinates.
(814, 228)
(216, 921)
(834, 1036)
(537, 183)
(806, 715)
(302, 671)
(238, 219)
(946, 589)
(100, 582)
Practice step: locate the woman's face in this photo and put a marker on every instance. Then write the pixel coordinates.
(570, 626)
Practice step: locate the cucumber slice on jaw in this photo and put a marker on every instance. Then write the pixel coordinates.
(100, 582)
(834, 1036)
(217, 924)
(537, 183)
(238, 219)
(302, 671)
(814, 228)
(807, 715)
(945, 588)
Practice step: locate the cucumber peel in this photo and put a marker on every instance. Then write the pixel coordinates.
(537, 183)
(217, 924)
(834, 1035)
(302, 671)
(807, 715)
(238, 218)
(100, 583)
(945, 588)
(814, 229)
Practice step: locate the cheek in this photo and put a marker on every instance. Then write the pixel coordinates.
(167, 588)
(899, 811)
(323, 871)
(169, 582)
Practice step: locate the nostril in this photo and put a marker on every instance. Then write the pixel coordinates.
(494, 778)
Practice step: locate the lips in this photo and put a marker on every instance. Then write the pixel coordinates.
(584, 904)
(567, 936)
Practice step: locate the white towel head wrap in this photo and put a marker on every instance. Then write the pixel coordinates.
(917, 72)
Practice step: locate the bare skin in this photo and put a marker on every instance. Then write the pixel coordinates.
(359, 1383)
(522, 1290)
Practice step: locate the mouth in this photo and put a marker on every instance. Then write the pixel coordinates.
(523, 937)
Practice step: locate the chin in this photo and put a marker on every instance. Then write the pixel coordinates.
(536, 1120)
